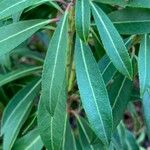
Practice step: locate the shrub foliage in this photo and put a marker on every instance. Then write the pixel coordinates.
(70, 69)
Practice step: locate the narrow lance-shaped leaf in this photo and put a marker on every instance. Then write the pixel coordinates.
(146, 110)
(112, 41)
(30, 141)
(55, 65)
(107, 69)
(94, 97)
(52, 128)
(131, 21)
(119, 137)
(85, 139)
(14, 34)
(119, 94)
(131, 142)
(130, 3)
(88, 136)
(17, 74)
(59, 122)
(83, 18)
(44, 124)
(68, 138)
(9, 7)
(16, 113)
(144, 64)
(106, 66)
(124, 139)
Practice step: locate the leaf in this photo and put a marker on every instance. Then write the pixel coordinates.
(52, 128)
(124, 139)
(129, 3)
(82, 18)
(30, 141)
(107, 69)
(26, 52)
(44, 124)
(17, 112)
(55, 5)
(98, 47)
(146, 110)
(55, 65)
(113, 43)
(119, 137)
(131, 21)
(5, 61)
(85, 139)
(144, 64)
(94, 96)
(131, 141)
(119, 94)
(68, 139)
(9, 7)
(17, 74)
(87, 135)
(14, 34)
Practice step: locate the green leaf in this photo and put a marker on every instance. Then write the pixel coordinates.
(26, 52)
(129, 3)
(55, 5)
(16, 113)
(88, 136)
(144, 64)
(94, 96)
(131, 21)
(85, 139)
(83, 18)
(14, 34)
(98, 47)
(113, 43)
(30, 141)
(9, 7)
(55, 65)
(146, 110)
(44, 124)
(131, 141)
(68, 139)
(124, 139)
(17, 74)
(119, 94)
(52, 128)
(107, 69)
(119, 137)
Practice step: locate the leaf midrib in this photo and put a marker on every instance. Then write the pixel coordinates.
(33, 142)
(13, 140)
(86, 70)
(18, 74)
(22, 101)
(12, 6)
(87, 137)
(120, 89)
(111, 40)
(22, 31)
(56, 57)
(145, 62)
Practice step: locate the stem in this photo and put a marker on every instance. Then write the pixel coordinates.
(70, 66)
(72, 78)
(54, 20)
